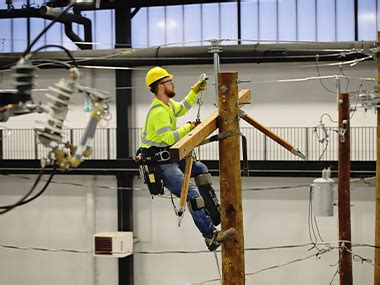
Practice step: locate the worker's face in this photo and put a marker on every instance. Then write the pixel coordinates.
(168, 86)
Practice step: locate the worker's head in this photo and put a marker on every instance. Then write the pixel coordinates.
(158, 80)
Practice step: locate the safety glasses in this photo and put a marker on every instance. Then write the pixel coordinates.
(167, 81)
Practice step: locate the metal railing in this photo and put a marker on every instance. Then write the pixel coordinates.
(24, 144)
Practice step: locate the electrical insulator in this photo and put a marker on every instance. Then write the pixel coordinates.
(369, 99)
(24, 79)
(58, 111)
(323, 195)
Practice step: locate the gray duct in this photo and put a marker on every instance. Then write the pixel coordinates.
(257, 53)
(68, 19)
(50, 14)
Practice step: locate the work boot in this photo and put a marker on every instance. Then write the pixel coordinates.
(218, 237)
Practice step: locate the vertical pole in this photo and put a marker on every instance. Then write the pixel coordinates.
(377, 229)
(35, 144)
(108, 144)
(123, 114)
(345, 261)
(1, 144)
(28, 25)
(307, 142)
(239, 21)
(215, 50)
(230, 180)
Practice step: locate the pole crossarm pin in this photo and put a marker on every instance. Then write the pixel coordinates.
(243, 81)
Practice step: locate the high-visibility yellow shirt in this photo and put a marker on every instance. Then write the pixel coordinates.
(160, 127)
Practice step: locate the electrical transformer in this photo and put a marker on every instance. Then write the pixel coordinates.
(323, 195)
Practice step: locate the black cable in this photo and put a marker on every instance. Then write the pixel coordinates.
(7, 208)
(318, 232)
(335, 274)
(42, 190)
(57, 46)
(345, 77)
(24, 201)
(310, 220)
(328, 115)
(29, 48)
(50, 62)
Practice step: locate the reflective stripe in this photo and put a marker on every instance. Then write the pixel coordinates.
(187, 105)
(164, 129)
(144, 134)
(179, 111)
(176, 136)
(151, 143)
(171, 106)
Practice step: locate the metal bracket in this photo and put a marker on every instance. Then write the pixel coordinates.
(342, 131)
(221, 136)
(245, 171)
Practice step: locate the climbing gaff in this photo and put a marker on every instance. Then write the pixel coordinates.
(185, 188)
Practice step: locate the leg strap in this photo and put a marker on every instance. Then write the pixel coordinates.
(196, 204)
(211, 202)
(203, 179)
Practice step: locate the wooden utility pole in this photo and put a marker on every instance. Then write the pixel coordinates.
(377, 229)
(227, 119)
(344, 211)
(230, 180)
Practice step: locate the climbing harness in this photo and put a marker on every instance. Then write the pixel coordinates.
(149, 160)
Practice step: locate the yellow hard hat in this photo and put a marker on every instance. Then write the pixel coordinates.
(156, 73)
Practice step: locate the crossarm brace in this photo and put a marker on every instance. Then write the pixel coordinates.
(266, 131)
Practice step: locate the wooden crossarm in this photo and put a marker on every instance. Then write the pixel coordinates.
(184, 146)
(245, 97)
(193, 138)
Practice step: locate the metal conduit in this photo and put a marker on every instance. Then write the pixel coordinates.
(201, 54)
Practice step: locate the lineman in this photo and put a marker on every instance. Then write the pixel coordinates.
(159, 133)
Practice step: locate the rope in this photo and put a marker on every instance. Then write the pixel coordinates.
(217, 265)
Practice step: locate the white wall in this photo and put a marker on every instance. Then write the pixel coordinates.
(56, 220)
(59, 220)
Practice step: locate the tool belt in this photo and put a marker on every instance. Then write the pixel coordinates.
(149, 161)
(155, 155)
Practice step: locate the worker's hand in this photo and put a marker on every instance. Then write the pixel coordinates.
(201, 84)
(194, 124)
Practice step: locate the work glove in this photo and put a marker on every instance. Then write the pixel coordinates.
(194, 124)
(201, 84)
